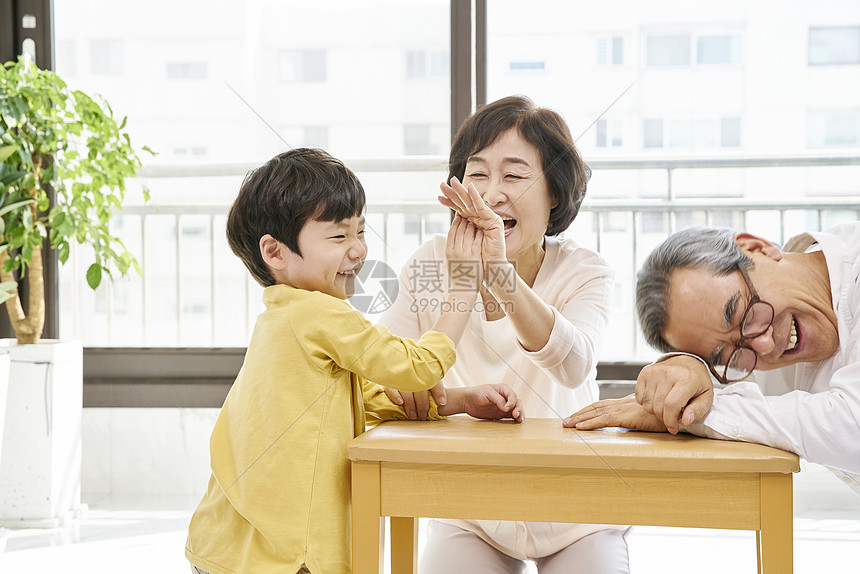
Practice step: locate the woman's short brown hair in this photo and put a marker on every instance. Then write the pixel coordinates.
(566, 173)
(279, 197)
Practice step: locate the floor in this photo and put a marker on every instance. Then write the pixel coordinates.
(146, 534)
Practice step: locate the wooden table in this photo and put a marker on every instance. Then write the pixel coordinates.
(457, 468)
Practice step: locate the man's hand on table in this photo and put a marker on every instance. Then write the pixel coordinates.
(678, 388)
(624, 412)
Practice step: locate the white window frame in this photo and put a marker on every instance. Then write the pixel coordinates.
(671, 122)
(609, 41)
(693, 36)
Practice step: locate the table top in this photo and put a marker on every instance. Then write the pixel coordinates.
(545, 443)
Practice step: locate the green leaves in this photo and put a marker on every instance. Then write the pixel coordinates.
(54, 137)
(15, 206)
(6, 152)
(94, 275)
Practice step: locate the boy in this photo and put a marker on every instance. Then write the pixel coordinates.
(278, 497)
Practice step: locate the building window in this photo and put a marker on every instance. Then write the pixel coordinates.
(316, 136)
(609, 133)
(423, 139)
(834, 129)
(668, 50)
(190, 151)
(652, 134)
(711, 50)
(691, 133)
(610, 51)
(685, 49)
(836, 45)
(655, 222)
(730, 132)
(302, 66)
(66, 58)
(527, 65)
(428, 64)
(106, 57)
(187, 70)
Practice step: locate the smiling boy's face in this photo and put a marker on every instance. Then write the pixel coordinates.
(332, 254)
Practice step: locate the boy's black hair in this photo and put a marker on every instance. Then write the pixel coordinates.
(279, 197)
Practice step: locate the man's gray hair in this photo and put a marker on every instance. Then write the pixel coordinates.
(710, 248)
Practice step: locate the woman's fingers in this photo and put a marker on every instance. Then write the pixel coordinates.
(454, 200)
(473, 199)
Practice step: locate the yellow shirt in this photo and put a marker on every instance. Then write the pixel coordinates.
(278, 496)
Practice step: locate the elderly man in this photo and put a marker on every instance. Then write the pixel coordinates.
(725, 304)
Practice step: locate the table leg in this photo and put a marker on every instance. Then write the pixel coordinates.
(776, 547)
(758, 550)
(367, 525)
(404, 545)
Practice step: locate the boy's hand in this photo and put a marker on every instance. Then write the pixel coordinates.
(484, 402)
(417, 404)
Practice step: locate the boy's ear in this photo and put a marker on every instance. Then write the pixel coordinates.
(751, 244)
(274, 252)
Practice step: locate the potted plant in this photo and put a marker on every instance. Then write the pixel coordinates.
(51, 138)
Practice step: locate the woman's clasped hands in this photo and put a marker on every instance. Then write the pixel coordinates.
(468, 204)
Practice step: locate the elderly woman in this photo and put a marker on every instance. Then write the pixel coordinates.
(538, 324)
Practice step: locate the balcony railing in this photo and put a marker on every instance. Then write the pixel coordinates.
(182, 300)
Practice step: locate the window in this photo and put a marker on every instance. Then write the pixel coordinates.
(423, 139)
(834, 129)
(610, 51)
(106, 57)
(212, 89)
(692, 48)
(671, 50)
(302, 66)
(730, 132)
(836, 45)
(697, 94)
(609, 133)
(528, 65)
(190, 151)
(712, 50)
(66, 57)
(341, 108)
(187, 70)
(655, 222)
(652, 131)
(428, 64)
(316, 136)
(691, 133)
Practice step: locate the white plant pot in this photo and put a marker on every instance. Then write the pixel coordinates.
(40, 460)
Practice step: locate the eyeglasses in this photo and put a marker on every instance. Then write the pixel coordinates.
(757, 319)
